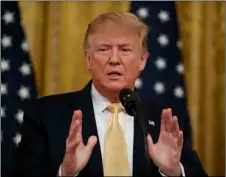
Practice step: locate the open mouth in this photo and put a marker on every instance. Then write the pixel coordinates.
(114, 74)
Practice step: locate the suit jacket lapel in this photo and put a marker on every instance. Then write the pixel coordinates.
(89, 128)
(140, 165)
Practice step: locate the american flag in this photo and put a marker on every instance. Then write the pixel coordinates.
(17, 81)
(162, 79)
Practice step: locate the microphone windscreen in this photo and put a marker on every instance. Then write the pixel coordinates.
(128, 100)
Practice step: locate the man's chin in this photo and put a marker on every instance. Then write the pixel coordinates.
(115, 86)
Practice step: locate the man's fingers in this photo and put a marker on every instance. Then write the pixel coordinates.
(73, 131)
(73, 121)
(79, 121)
(175, 127)
(150, 144)
(180, 139)
(73, 143)
(75, 127)
(166, 120)
(76, 123)
(169, 120)
(91, 143)
(163, 122)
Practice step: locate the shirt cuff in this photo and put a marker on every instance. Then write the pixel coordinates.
(59, 172)
(182, 170)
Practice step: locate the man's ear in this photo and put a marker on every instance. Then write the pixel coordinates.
(87, 59)
(143, 60)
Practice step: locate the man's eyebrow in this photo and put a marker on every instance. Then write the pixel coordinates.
(109, 45)
(124, 45)
(103, 45)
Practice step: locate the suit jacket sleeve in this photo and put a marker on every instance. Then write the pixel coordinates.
(189, 157)
(32, 156)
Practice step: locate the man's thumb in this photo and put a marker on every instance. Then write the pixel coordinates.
(92, 141)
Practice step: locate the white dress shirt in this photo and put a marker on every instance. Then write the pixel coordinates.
(102, 116)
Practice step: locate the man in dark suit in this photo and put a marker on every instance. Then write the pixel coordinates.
(73, 134)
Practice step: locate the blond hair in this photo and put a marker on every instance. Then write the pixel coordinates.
(125, 18)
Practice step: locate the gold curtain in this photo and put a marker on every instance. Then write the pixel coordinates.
(55, 32)
(202, 26)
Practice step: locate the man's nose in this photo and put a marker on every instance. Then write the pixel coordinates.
(115, 58)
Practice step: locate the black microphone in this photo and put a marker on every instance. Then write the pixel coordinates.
(133, 106)
(129, 100)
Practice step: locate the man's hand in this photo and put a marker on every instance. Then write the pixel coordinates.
(166, 152)
(76, 154)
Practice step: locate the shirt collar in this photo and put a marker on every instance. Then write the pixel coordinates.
(99, 101)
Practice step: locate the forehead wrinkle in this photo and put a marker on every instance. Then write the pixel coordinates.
(111, 37)
(108, 44)
(119, 41)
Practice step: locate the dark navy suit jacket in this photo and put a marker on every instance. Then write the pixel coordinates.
(46, 127)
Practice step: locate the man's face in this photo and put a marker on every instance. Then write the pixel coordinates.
(115, 57)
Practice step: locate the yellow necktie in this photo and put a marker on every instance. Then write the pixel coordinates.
(115, 149)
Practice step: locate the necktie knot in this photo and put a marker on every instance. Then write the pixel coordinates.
(114, 108)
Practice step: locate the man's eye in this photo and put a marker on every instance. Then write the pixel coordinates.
(126, 50)
(102, 49)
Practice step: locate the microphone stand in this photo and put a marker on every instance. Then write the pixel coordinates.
(133, 106)
(142, 123)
